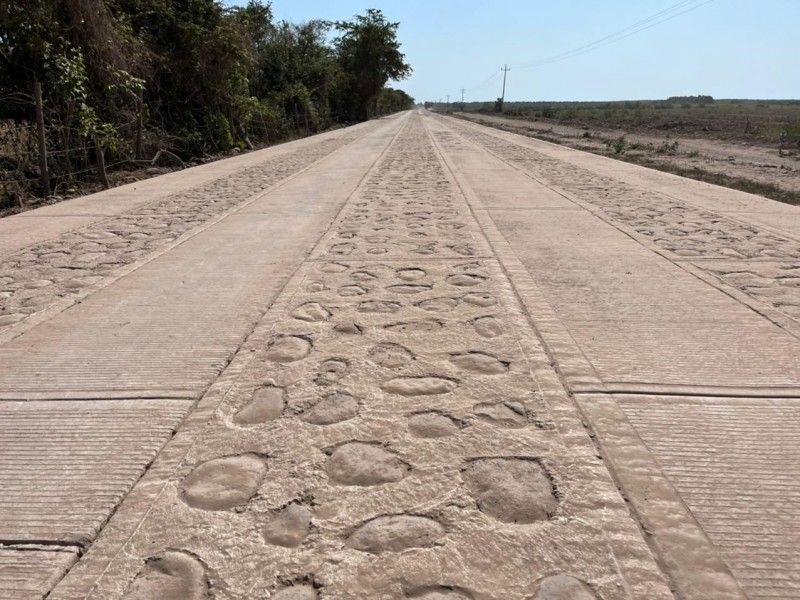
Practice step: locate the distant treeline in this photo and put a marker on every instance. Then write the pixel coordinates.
(692, 99)
(116, 80)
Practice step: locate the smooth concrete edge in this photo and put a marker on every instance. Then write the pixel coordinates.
(687, 555)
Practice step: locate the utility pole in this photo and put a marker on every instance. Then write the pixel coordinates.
(505, 71)
(448, 101)
(462, 99)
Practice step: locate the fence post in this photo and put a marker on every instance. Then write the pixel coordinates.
(139, 126)
(44, 176)
(101, 164)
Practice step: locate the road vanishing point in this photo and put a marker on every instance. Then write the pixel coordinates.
(412, 358)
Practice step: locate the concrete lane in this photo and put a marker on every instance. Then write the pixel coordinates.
(93, 392)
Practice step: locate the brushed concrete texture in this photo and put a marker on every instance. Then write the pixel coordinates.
(29, 572)
(737, 467)
(395, 433)
(67, 465)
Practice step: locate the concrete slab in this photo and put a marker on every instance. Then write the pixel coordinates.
(736, 465)
(29, 573)
(50, 276)
(612, 305)
(753, 208)
(67, 465)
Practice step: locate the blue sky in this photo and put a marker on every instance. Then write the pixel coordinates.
(725, 48)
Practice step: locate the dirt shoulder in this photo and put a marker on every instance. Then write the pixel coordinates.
(739, 165)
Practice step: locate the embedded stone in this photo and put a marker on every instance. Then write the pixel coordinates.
(348, 327)
(410, 274)
(438, 304)
(419, 386)
(512, 490)
(311, 312)
(331, 370)
(431, 425)
(267, 404)
(223, 483)
(395, 533)
(390, 355)
(288, 348)
(479, 362)
(362, 464)
(479, 299)
(333, 268)
(333, 408)
(465, 279)
(511, 413)
(171, 574)
(290, 527)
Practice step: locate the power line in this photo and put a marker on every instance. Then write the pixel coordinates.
(667, 14)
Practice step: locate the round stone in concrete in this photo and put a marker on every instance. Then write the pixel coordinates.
(362, 464)
(290, 527)
(395, 533)
(512, 490)
(267, 404)
(168, 576)
(222, 483)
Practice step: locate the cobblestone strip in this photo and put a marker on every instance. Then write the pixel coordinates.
(758, 262)
(77, 263)
(389, 439)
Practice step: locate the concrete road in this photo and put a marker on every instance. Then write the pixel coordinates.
(416, 358)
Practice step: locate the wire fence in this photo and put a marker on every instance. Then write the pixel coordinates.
(75, 162)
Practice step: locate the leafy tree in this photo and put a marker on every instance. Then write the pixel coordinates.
(130, 77)
(369, 55)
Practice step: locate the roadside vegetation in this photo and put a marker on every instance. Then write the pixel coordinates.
(99, 92)
(666, 135)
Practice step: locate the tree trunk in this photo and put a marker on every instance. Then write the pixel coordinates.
(44, 175)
